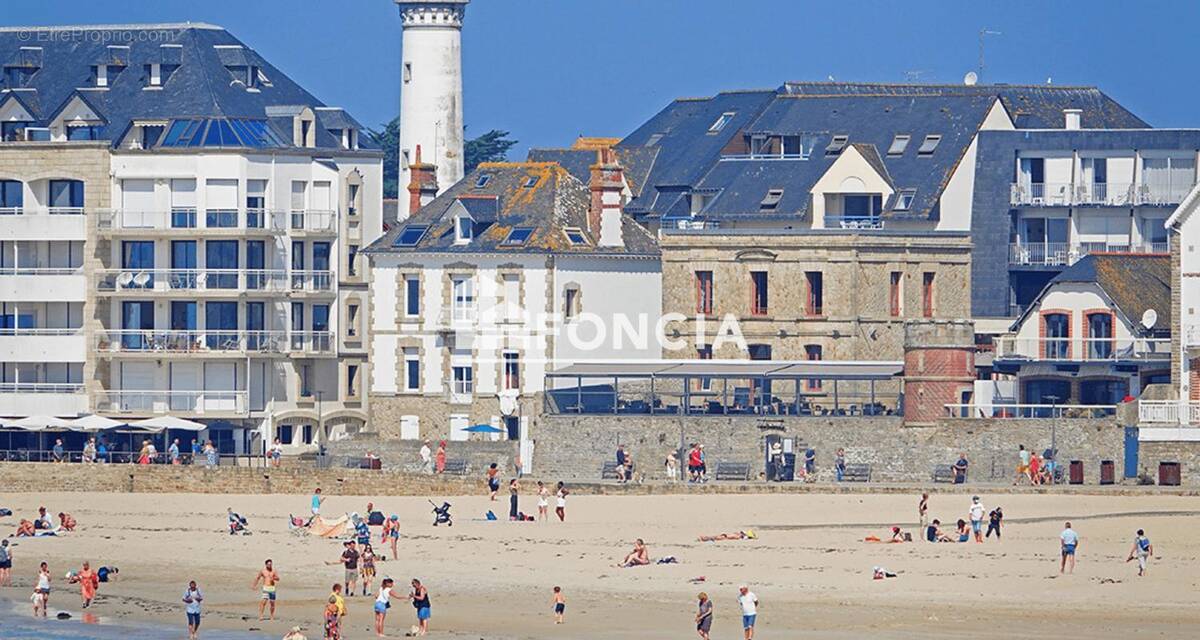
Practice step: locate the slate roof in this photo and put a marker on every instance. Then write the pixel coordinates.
(558, 200)
(690, 156)
(636, 162)
(201, 87)
(1134, 282)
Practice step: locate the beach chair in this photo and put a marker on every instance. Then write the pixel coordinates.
(455, 468)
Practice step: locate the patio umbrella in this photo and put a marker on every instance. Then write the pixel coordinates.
(93, 423)
(166, 422)
(483, 428)
(38, 423)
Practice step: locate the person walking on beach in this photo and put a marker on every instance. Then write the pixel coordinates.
(977, 512)
(923, 510)
(441, 457)
(493, 480)
(366, 563)
(672, 464)
(349, 560)
(1022, 466)
(426, 458)
(192, 598)
(382, 604)
(560, 605)
(173, 451)
(1070, 542)
(317, 500)
(693, 463)
(514, 488)
(704, 616)
(420, 602)
(269, 579)
(391, 532)
(5, 564)
(1142, 550)
(41, 592)
(994, 518)
(88, 583)
(749, 603)
(543, 495)
(560, 508)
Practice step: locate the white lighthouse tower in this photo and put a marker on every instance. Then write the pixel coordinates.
(431, 112)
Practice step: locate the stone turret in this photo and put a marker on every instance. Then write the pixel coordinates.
(939, 366)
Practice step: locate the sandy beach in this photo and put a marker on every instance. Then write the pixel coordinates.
(809, 565)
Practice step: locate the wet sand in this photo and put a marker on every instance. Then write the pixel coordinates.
(809, 565)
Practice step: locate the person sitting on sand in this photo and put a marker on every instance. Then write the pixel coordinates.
(25, 529)
(66, 522)
(639, 556)
(740, 535)
(107, 574)
(43, 520)
(900, 536)
(933, 533)
(963, 531)
(295, 634)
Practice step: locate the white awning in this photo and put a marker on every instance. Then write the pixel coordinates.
(93, 423)
(166, 422)
(38, 423)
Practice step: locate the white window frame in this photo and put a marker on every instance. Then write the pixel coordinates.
(463, 380)
(411, 356)
(462, 298)
(721, 121)
(463, 233)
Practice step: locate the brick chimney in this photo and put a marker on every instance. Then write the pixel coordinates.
(608, 197)
(423, 187)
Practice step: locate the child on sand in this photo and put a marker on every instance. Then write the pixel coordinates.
(560, 605)
(41, 593)
(1142, 550)
(333, 621)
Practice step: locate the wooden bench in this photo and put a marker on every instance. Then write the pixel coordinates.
(455, 468)
(609, 471)
(943, 473)
(857, 473)
(732, 471)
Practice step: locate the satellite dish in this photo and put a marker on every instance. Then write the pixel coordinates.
(971, 78)
(1149, 318)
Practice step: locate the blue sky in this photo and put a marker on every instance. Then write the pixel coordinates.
(548, 70)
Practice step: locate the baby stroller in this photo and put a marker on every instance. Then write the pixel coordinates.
(238, 524)
(441, 515)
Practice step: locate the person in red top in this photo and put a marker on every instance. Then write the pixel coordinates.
(694, 462)
(88, 583)
(1035, 463)
(440, 460)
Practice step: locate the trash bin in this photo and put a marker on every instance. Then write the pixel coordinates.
(1108, 472)
(1168, 474)
(1076, 475)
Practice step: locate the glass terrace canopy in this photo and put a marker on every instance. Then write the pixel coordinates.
(220, 132)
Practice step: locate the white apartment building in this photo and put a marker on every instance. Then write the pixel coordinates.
(205, 262)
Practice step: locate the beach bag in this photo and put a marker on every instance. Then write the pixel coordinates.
(491, 516)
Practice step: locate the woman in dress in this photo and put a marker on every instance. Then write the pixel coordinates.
(144, 456)
(514, 488)
(88, 583)
(440, 459)
(543, 502)
(366, 566)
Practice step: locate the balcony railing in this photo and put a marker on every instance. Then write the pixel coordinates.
(41, 331)
(1029, 411)
(34, 211)
(187, 402)
(311, 280)
(213, 341)
(41, 387)
(315, 220)
(136, 280)
(40, 271)
(191, 218)
(1082, 349)
(311, 341)
(1172, 412)
(853, 222)
(1110, 194)
(1061, 254)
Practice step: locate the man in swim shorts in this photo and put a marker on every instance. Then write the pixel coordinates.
(1070, 542)
(269, 579)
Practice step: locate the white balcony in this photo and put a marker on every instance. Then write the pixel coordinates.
(42, 284)
(191, 402)
(38, 398)
(42, 345)
(1082, 349)
(311, 281)
(1102, 194)
(310, 342)
(190, 219)
(1029, 411)
(1169, 412)
(191, 281)
(53, 223)
(187, 342)
(315, 221)
(1064, 254)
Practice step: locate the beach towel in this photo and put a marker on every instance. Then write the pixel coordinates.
(667, 560)
(328, 528)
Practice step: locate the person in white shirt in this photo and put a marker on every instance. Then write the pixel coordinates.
(382, 604)
(426, 458)
(749, 604)
(1070, 542)
(977, 512)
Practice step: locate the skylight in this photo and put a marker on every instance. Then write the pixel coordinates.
(899, 144)
(531, 182)
(721, 121)
(518, 236)
(482, 180)
(771, 200)
(836, 145)
(575, 235)
(220, 132)
(411, 235)
(904, 199)
(929, 144)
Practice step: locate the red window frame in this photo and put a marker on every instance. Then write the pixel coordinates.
(759, 304)
(704, 292)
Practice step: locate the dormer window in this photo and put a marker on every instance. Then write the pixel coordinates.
(721, 121)
(100, 72)
(464, 229)
(482, 180)
(771, 200)
(836, 145)
(929, 144)
(575, 235)
(899, 144)
(904, 199)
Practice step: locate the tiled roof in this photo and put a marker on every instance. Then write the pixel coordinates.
(556, 201)
(1134, 282)
(201, 87)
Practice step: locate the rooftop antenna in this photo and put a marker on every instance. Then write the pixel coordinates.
(983, 33)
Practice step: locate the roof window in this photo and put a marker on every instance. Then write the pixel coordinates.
(771, 200)
(653, 140)
(904, 199)
(518, 236)
(899, 144)
(929, 144)
(411, 235)
(721, 121)
(531, 182)
(575, 235)
(836, 145)
(482, 180)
